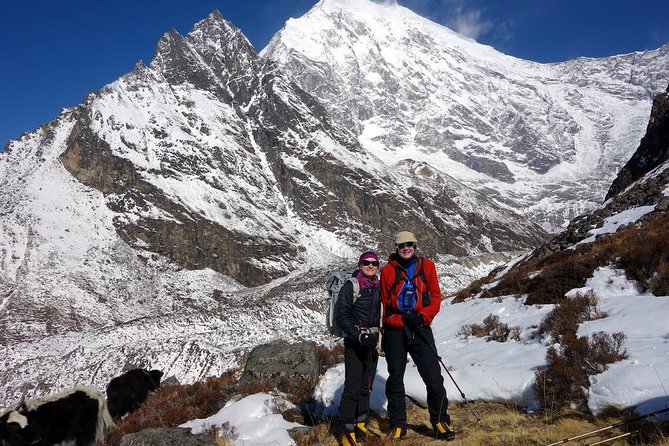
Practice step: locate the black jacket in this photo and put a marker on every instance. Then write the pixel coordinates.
(364, 313)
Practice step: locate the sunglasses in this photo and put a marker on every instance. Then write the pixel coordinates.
(406, 245)
(369, 262)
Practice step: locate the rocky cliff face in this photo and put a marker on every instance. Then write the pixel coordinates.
(653, 151)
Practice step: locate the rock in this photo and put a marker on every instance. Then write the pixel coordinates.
(173, 436)
(653, 150)
(279, 360)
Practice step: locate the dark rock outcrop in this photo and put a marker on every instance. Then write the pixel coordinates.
(654, 148)
(187, 238)
(281, 360)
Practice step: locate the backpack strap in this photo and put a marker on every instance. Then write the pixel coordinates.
(418, 272)
(425, 295)
(398, 279)
(421, 271)
(356, 287)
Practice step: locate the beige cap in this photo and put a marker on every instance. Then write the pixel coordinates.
(405, 236)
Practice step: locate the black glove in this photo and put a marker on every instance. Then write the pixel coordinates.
(412, 320)
(368, 340)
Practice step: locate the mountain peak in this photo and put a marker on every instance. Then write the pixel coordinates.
(214, 29)
(357, 4)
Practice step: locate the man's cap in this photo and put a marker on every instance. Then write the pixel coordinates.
(405, 236)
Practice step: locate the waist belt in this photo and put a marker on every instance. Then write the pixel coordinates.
(369, 329)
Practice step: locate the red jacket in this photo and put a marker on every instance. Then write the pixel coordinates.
(390, 291)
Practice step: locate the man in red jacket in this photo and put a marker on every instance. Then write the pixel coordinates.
(411, 299)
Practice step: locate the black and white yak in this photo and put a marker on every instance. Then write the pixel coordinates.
(127, 392)
(74, 417)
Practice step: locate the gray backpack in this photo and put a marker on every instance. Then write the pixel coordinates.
(333, 285)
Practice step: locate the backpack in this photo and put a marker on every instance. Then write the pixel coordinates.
(333, 285)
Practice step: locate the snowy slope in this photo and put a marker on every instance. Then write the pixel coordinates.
(499, 372)
(504, 372)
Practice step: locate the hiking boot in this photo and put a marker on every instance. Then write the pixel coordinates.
(361, 430)
(397, 433)
(348, 439)
(444, 431)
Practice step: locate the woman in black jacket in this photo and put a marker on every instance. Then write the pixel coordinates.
(358, 314)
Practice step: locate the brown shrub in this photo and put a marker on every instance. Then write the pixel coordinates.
(562, 382)
(492, 328)
(659, 283)
(471, 330)
(645, 258)
(561, 272)
(497, 330)
(563, 320)
(565, 381)
(557, 274)
(641, 249)
(515, 281)
(329, 357)
(473, 289)
(606, 349)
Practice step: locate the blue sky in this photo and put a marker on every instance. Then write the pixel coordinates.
(54, 52)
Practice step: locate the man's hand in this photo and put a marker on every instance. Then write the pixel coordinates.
(412, 320)
(368, 340)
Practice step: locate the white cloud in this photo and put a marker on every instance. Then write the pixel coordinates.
(462, 16)
(469, 23)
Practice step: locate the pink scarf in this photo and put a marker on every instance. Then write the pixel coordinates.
(366, 282)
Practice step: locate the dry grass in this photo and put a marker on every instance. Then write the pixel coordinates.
(641, 251)
(500, 425)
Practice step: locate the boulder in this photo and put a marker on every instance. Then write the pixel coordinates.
(281, 360)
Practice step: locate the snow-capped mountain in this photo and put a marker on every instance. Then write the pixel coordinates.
(544, 139)
(191, 209)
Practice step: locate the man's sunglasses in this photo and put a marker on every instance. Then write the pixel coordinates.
(369, 262)
(406, 245)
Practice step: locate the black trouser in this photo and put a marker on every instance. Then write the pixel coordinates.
(360, 368)
(422, 349)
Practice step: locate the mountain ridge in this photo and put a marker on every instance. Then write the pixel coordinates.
(531, 135)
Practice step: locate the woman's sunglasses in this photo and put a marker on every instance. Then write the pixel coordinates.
(369, 262)
(405, 245)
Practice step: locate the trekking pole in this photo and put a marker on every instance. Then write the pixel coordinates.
(462, 394)
(612, 438)
(621, 423)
